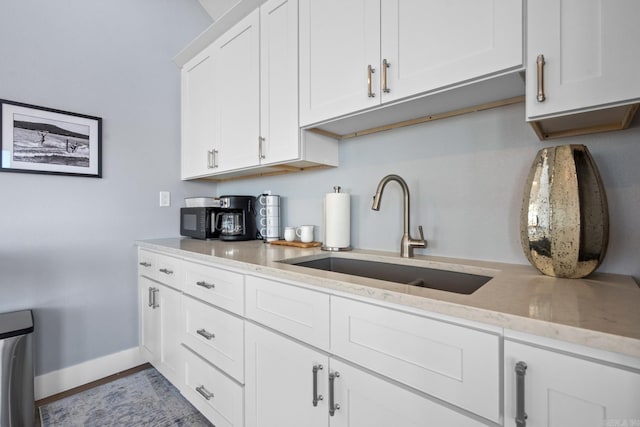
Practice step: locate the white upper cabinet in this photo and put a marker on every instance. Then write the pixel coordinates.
(339, 40)
(240, 101)
(198, 113)
(589, 58)
(358, 54)
(431, 44)
(220, 103)
(238, 94)
(279, 131)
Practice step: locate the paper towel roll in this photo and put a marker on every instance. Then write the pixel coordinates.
(337, 221)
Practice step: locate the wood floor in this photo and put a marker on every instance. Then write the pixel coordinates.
(85, 387)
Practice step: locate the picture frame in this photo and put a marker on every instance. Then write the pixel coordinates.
(44, 140)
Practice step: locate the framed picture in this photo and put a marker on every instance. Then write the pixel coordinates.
(43, 140)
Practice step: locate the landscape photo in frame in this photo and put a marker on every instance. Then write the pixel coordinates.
(44, 140)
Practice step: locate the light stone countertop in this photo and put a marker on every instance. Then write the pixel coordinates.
(601, 311)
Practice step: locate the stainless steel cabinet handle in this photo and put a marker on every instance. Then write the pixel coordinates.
(521, 415)
(370, 71)
(333, 407)
(204, 392)
(145, 264)
(205, 284)
(261, 148)
(385, 65)
(150, 295)
(154, 293)
(316, 397)
(212, 159)
(208, 335)
(540, 66)
(166, 271)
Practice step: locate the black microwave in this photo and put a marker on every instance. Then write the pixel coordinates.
(199, 222)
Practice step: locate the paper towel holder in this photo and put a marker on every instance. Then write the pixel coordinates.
(325, 247)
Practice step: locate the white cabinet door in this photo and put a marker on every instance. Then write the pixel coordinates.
(456, 364)
(591, 56)
(237, 94)
(168, 302)
(430, 44)
(160, 327)
(199, 110)
(149, 321)
(279, 81)
(338, 40)
(562, 390)
(412, 47)
(366, 400)
(279, 379)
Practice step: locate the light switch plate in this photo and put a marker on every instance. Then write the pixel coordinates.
(165, 198)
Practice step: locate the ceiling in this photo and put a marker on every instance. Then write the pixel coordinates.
(217, 8)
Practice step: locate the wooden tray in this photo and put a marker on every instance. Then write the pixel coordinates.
(296, 244)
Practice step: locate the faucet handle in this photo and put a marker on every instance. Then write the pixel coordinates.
(421, 233)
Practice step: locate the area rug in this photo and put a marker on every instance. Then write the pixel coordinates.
(145, 398)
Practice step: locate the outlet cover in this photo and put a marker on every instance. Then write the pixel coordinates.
(165, 198)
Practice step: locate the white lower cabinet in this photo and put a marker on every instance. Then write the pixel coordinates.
(453, 363)
(217, 396)
(366, 400)
(279, 386)
(544, 387)
(160, 327)
(289, 384)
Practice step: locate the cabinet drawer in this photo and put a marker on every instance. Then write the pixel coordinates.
(215, 335)
(297, 312)
(168, 270)
(453, 363)
(146, 263)
(217, 396)
(216, 286)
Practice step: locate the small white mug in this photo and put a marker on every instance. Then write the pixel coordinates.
(305, 233)
(289, 234)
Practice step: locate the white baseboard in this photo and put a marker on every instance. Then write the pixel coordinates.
(86, 372)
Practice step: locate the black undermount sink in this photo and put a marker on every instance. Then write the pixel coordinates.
(444, 280)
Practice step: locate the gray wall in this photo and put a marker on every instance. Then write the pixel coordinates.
(66, 243)
(466, 176)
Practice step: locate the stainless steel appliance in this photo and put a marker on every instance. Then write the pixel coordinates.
(16, 369)
(236, 218)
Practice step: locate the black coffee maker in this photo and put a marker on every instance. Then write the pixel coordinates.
(236, 218)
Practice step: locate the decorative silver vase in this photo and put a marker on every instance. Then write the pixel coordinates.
(564, 222)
